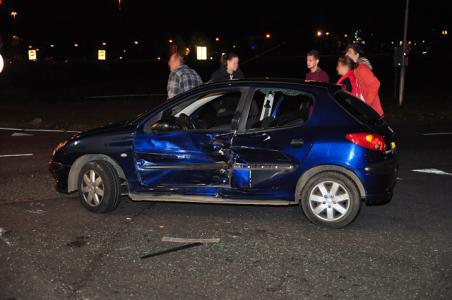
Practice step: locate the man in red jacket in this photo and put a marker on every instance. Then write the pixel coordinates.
(368, 83)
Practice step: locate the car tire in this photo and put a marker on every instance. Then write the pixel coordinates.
(330, 199)
(99, 187)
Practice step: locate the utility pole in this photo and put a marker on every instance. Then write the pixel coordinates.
(404, 56)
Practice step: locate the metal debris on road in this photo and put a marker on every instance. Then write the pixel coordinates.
(183, 240)
(171, 250)
(3, 232)
(36, 211)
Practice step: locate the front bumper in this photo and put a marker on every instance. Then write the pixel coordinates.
(379, 180)
(61, 173)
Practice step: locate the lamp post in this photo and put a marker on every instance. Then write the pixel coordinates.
(404, 54)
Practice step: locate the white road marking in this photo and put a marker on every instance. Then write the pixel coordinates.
(15, 155)
(432, 171)
(38, 130)
(438, 133)
(188, 241)
(21, 134)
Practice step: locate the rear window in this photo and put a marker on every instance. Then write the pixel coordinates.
(357, 108)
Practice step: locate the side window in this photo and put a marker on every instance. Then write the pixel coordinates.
(210, 111)
(273, 108)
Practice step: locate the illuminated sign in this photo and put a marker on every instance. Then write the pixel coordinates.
(32, 55)
(101, 55)
(201, 53)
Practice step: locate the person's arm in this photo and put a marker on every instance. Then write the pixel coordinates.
(239, 74)
(327, 77)
(173, 85)
(348, 84)
(372, 84)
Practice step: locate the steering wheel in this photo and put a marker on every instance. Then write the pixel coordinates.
(186, 122)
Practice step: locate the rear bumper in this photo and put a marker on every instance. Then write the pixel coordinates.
(60, 173)
(379, 180)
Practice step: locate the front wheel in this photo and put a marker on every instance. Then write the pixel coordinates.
(330, 199)
(99, 188)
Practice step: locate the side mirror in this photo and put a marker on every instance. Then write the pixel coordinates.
(164, 126)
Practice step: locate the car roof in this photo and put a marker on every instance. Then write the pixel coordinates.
(269, 80)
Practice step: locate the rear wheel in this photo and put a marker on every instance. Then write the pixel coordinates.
(99, 187)
(330, 199)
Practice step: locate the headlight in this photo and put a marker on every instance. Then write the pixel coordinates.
(59, 146)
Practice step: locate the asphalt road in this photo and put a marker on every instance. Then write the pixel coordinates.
(55, 249)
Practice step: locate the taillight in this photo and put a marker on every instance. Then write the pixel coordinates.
(367, 140)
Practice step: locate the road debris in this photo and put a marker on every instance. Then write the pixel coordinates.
(4, 232)
(79, 242)
(36, 211)
(185, 241)
(171, 250)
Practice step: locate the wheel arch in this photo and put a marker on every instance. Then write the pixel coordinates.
(328, 168)
(84, 159)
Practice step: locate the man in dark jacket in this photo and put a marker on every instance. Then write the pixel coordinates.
(228, 70)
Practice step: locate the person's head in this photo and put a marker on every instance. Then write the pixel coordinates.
(312, 59)
(345, 64)
(354, 51)
(230, 61)
(175, 61)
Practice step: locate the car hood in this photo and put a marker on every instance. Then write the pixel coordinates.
(107, 129)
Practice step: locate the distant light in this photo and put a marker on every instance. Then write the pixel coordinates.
(75, 45)
(217, 39)
(444, 32)
(423, 41)
(124, 50)
(392, 42)
(30, 46)
(136, 42)
(2, 63)
(120, 57)
(319, 33)
(327, 33)
(211, 58)
(101, 55)
(201, 53)
(104, 44)
(234, 46)
(253, 47)
(187, 51)
(268, 36)
(32, 55)
(170, 41)
(424, 52)
(159, 58)
(52, 46)
(14, 14)
(345, 35)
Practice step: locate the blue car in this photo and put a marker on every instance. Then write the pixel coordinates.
(253, 142)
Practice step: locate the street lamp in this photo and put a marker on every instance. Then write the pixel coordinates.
(217, 39)
(319, 33)
(170, 41)
(268, 36)
(14, 15)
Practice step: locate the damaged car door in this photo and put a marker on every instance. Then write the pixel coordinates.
(186, 148)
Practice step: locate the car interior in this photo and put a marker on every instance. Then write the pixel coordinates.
(278, 108)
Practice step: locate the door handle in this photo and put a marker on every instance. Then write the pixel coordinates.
(297, 142)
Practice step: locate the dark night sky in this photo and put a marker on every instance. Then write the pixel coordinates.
(55, 21)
